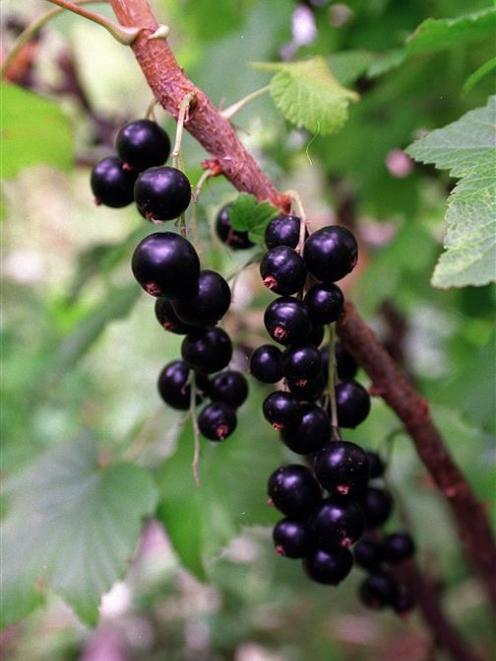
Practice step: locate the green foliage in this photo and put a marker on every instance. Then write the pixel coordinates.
(72, 526)
(479, 74)
(249, 215)
(466, 149)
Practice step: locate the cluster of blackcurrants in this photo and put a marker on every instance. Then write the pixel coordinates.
(190, 301)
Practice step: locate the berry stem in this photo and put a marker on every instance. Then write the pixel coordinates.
(199, 186)
(331, 384)
(181, 119)
(150, 111)
(230, 111)
(195, 464)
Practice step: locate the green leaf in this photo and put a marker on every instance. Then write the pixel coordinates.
(34, 130)
(347, 66)
(72, 526)
(248, 215)
(478, 75)
(466, 149)
(308, 95)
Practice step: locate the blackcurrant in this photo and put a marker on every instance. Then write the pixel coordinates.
(166, 264)
(317, 335)
(328, 568)
(235, 239)
(337, 523)
(283, 230)
(377, 506)
(302, 363)
(292, 539)
(376, 464)
(282, 410)
(112, 184)
(217, 421)
(142, 144)
(312, 432)
(294, 491)
(287, 321)
(368, 554)
(266, 364)
(168, 319)
(283, 271)
(173, 385)
(352, 402)
(345, 363)
(307, 389)
(162, 193)
(325, 303)
(330, 253)
(229, 387)
(398, 546)
(378, 590)
(207, 350)
(342, 468)
(208, 302)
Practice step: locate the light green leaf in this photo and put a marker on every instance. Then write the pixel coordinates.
(248, 215)
(478, 75)
(34, 130)
(467, 149)
(72, 526)
(308, 95)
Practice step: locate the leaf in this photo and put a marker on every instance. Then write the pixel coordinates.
(72, 526)
(34, 130)
(466, 149)
(478, 75)
(308, 95)
(248, 215)
(386, 62)
(347, 66)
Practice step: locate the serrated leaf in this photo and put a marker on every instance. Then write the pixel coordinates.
(34, 130)
(467, 149)
(72, 526)
(308, 95)
(247, 214)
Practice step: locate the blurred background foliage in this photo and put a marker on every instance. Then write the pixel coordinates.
(82, 350)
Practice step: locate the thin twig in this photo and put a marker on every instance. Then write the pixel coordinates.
(236, 107)
(195, 464)
(331, 383)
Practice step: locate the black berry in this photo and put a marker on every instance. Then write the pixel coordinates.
(207, 350)
(325, 303)
(168, 319)
(294, 491)
(342, 468)
(302, 363)
(368, 554)
(173, 385)
(142, 144)
(112, 184)
(312, 432)
(235, 239)
(352, 402)
(282, 410)
(283, 231)
(376, 464)
(317, 335)
(162, 193)
(229, 387)
(328, 568)
(345, 363)
(337, 523)
(266, 364)
(377, 506)
(287, 321)
(283, 271)
(330, 253)
(398, 546)
(217, 421)
(378, 590)
(208, 303)
(307, 389)
(292, 539)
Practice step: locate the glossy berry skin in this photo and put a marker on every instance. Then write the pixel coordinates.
(168, 319)
(166, 264)
(330, 253)
(312, 432)
(368, 554)
(302, 363)
(283, 271)
(287, 321)
(307, 389)
(112, 184)
(376, 464)
(378, 590)
(162, 193)
(283, 230)
(337, 523)
(217, 421)
(398, 546)
(173, 385)
(235, 239)
(229, 387)
(342, 468)
(328, 568)
(352, 402)
(142, 144)
(292, 539)
(266, 364)
(294, 491)
(345, 363)
(377, 505)
(208, 303)
(316, 336)
(207, 350)
(325, 303)
(282, 410)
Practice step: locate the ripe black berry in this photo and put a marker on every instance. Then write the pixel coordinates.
(353, 403)
(282, 410)
(294, 491)
(283, 271)
(345, 363)
(398, 546)
(328, 568)
(342, 468)
(302, 363)
(266, 364)
(207, 350)
(208, 302)
(368, 554)
(330, 253)
(312, 432)
(316, 336)
(292, 539)
(168, 319)
(229, 387)
(235, 239)
(166, 264)
(377, 505)
(376, 464)
(287, 321)
(378, 590)
(217, 421)
(142, 144)
(337, 523)
(162, 193)
(307, 389)
(112, 184)
(283, 231)
(173, 385)
(324, 302)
